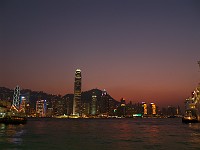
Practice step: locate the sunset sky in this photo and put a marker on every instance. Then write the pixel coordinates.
(142, 50)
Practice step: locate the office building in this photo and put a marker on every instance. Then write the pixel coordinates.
(77, 94)
(93, 104)
(144, 108)
(16, 98)
(104, 104)
(41, 108)
(152, 109)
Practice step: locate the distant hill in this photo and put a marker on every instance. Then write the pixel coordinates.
(87, 95)
(33, 96)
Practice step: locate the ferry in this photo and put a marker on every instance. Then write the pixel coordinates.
(190, 117)
(192, 107)
(8, 116)
(13, 120)
(14, 114)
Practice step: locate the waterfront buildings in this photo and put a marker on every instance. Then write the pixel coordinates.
(192, 104)
(85, 109)
(94, 104)
(19, 101)
(152, 109)
(57, 105)
(22, 105)
(122, 108)
(16, 98)
(41, 108)
(77, 94)
(104, 103)
(144, 106)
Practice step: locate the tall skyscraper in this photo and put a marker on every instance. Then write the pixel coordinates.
(104, 105)
(16, 98)
(41, 108)
(77, 93)
(22, 105)
(94, 104)
(152, 109)
(144, 108)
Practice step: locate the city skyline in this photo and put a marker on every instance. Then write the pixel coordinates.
(139, 50)
(94, 103)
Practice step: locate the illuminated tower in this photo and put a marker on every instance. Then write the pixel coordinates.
(77, 93)
(16, 98)
(41, 108)
(152, 109)
(104, 105)
(123, 107)
(93, 104)
(22, 104)
(144, 107)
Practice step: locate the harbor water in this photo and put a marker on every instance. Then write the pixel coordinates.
(101, 134)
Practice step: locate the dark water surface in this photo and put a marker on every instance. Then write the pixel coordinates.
(101, 134)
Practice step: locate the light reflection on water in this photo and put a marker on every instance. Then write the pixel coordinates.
(103, 134)
(195, 134)
(11, 135)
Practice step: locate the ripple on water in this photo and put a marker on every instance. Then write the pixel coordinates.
(101, 134)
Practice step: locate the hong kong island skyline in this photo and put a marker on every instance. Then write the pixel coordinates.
(138, 50)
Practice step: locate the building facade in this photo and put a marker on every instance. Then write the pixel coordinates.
(41, 108)
(77, 94)
(152, 109)
(144, 108)
(94, 104)
(104, 104)
(16, 98)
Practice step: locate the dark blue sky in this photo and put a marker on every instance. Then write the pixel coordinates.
(140, 50)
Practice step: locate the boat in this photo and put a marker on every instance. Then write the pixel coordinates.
(190, 116)
(14, 114)
(192, 107)
(8, 116)
(13, 120)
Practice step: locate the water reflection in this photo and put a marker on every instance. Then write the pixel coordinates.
(153, 132)
(133, 133)
(11, 134)
(101, 134)
(124, 131)
(195, 127)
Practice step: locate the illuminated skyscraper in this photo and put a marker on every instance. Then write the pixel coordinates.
(152, 109)
(16, 98)
(22, 105)
(41, 108)
(123, 107)
(93, 104)
(104, 105)
(77, 93)
(144, 108)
